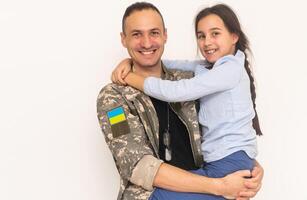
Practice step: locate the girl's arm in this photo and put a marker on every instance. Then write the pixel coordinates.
(225, 75)
(124, 67)
(135, 80)
(121, 71)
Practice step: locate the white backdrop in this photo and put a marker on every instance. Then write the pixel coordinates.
(56, 55)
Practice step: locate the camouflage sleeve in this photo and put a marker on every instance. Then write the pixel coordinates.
(123, 131)
(145, 172)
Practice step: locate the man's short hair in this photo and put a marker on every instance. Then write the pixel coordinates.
(139, 6)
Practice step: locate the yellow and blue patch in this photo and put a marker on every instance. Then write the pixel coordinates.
(116, 115)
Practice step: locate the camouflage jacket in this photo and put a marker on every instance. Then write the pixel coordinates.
(130, 125)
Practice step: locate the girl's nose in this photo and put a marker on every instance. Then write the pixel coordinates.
(208, 41)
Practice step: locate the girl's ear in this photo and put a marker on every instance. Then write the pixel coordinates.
(235, 38)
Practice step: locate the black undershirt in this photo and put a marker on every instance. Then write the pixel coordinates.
(182, 156)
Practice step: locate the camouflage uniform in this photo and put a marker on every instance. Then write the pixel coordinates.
(130, 125)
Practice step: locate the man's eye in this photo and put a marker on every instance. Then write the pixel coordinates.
(155, 33)
(136, 34)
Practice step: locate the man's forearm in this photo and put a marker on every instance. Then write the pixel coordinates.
(151, 172)
(176, 179)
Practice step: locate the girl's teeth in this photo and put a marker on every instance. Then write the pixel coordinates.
(210, 51)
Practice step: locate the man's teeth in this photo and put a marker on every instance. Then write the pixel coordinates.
(147, 52)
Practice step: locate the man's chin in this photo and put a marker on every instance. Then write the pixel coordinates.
(148, 64)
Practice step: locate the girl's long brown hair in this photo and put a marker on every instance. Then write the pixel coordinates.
(232, 23)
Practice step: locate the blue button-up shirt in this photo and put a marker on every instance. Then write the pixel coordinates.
(226, 108)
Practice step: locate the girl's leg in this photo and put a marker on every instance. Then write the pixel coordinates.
(161, 194)
(234, 162)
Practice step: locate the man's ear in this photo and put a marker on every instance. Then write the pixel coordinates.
(165, 35)
(123, 39)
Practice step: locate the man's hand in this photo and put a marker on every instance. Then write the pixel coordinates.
(233, 184)
(121, 71)
(253, 184)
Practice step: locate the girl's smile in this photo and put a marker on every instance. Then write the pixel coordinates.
(213, 38)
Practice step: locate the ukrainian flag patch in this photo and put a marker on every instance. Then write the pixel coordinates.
(116, 115)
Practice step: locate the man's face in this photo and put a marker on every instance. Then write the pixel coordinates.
(144, 38)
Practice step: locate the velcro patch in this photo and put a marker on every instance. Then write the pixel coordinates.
(118, 121)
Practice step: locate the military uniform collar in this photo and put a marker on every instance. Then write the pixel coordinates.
(165, 74)
(130, 93)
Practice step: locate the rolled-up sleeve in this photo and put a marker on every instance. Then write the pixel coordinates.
(145, 171)
(126, 139)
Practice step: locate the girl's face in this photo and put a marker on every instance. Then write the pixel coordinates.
(213, 38)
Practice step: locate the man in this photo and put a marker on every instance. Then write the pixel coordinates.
(153, 141)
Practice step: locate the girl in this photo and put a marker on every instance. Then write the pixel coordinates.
(225, 88)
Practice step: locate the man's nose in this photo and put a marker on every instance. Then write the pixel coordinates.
(146, 41)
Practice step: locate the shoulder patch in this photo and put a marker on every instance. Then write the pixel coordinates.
(118, 121)
(116, 115)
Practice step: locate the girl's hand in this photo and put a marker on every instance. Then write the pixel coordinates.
(121, 71)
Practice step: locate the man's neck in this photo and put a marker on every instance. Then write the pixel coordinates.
(155, 71)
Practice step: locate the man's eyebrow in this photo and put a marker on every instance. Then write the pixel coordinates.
(139, 31)
(155, 29)
(135, 30)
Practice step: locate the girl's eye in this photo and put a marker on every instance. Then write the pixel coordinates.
(215, 33)
(201, 36)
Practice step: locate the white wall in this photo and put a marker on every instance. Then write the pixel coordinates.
(56, 55)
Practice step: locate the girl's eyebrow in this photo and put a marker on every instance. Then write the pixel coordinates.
(215, 29)
(211, 29)
(200, 32)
